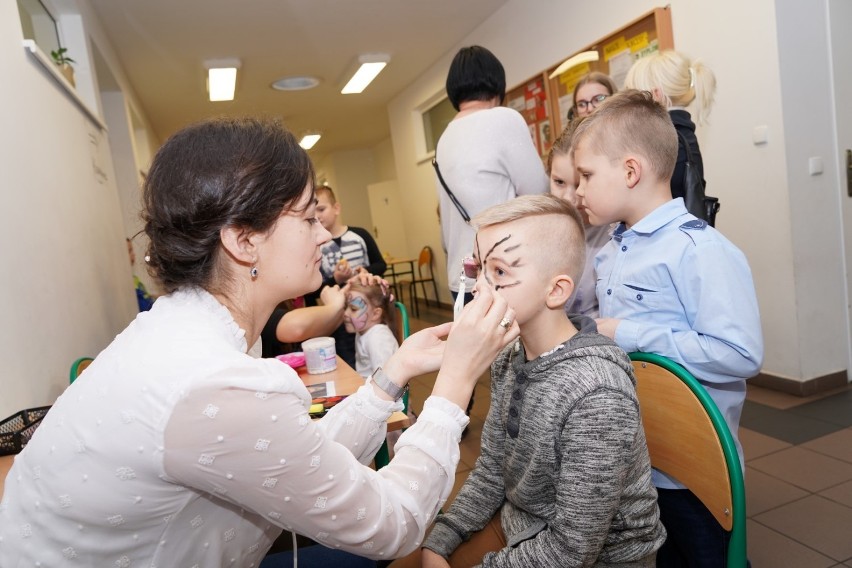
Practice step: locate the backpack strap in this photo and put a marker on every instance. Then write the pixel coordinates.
(450, 194)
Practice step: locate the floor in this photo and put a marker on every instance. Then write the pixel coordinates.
(798, 455)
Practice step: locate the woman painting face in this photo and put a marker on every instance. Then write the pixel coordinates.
(289, 254)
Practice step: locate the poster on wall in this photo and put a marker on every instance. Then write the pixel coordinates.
(534, 135)
(545, 137)
(536, 101)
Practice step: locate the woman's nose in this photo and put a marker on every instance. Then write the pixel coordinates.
(323, 235)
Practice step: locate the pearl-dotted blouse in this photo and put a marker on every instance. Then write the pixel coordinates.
(176, 448)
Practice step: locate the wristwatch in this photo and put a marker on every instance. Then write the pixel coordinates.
(381, 380)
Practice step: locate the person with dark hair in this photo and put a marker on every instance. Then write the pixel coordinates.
(484, 157)
(143, 298)
(177, 447)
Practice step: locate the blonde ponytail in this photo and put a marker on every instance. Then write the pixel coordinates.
(704, 87)
(675, 81)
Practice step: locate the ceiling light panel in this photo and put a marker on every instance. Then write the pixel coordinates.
(370, 65)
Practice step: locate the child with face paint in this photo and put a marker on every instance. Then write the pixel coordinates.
(563, 477)
(369, 314)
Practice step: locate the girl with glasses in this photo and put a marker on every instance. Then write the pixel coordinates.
(590, 91)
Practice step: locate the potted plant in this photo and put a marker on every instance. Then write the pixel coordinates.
(64, 62)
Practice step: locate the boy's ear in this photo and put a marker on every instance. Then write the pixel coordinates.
(561, 288)
(240, 243)
(632, 171)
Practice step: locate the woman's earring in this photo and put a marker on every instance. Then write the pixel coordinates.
(253, 273)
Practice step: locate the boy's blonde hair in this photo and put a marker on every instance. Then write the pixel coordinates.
(566, 252)
(327, 191)
(681, 81)
(630, 122)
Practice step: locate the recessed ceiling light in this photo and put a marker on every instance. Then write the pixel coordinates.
(295, 83)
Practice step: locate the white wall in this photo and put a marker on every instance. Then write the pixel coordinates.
(349, 172)
(814, 200)
(66, 288)
(753, 182)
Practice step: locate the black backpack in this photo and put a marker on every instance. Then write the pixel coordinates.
(696, 201)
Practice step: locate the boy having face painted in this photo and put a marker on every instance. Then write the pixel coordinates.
(564, 460)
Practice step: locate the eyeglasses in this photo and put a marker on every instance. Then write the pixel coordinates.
(593, 102)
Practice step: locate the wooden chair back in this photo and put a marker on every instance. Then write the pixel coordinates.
(424, 259)
(689, 440)
(78, 366)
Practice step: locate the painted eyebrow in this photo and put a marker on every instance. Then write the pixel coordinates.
(497, 244)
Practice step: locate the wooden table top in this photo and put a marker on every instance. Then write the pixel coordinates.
(346, 381)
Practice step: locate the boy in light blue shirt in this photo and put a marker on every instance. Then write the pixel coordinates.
(667, 283)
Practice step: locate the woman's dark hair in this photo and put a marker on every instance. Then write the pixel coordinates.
(475, 75)
(214, 174)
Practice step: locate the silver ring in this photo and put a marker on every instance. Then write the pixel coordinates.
(505, 323)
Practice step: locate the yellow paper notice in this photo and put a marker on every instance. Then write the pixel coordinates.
(570, 77)
(614, 48)
(638, 42)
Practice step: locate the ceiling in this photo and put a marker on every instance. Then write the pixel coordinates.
(162, 45)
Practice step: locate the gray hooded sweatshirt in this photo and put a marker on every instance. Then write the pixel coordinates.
(563, 459)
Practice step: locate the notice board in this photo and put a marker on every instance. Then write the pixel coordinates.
(544, 102)
(647, 34)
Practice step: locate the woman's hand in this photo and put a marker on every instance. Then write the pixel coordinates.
(421, 353)
(483, 329)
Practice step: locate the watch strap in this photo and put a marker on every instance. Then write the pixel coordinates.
(381, 380)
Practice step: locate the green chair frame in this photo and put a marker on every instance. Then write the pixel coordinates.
(737, 548)
(382, 457)
(78, 367)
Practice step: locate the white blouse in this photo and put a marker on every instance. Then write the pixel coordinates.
(176, 448)
(373, 348)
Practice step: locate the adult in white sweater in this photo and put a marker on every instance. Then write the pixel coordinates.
(485, 156)
(176, 447)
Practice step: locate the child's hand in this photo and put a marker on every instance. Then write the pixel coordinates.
(342, 272)
(333, 296)
(430, 559)
(607, 326)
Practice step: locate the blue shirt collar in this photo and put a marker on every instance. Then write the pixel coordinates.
(659, 217)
